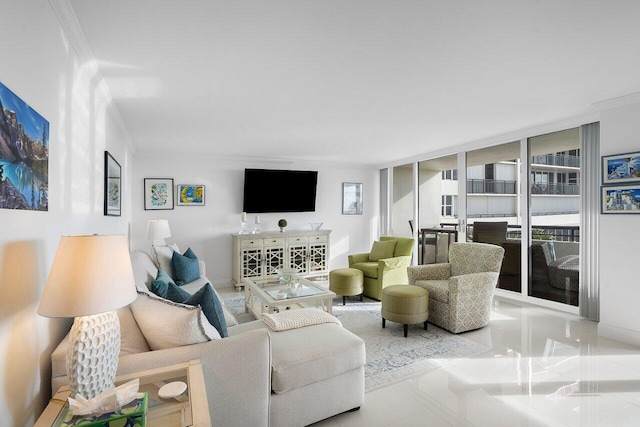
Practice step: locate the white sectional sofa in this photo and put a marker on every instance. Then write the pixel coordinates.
(255, 377)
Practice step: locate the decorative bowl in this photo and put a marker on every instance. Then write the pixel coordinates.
(315, 225)
(286, 275)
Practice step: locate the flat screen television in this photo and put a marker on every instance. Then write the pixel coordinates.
(273, 190)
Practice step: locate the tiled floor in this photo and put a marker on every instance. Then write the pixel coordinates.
(546, 369)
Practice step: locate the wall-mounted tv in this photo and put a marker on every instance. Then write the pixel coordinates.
(273, 190)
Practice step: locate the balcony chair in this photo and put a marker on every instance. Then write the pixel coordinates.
(490, 232)
(461, 291)
(385, 265)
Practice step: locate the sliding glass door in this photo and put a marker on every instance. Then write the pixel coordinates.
(494, 206)
(523, 195)
(554, 189)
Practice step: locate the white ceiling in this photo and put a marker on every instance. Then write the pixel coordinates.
(367, 81)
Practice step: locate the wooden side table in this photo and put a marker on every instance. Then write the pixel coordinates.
(189, 409)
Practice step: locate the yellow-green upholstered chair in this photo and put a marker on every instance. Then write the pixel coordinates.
(385, 265)
(461, 291)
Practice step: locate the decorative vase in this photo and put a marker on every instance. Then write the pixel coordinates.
(282, 224)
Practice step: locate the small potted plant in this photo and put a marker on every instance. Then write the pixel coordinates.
(282, 224)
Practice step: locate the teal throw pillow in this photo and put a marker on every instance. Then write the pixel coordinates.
(176, 294)
(211, 306)
(208, 301)
(185, 267)
(160, 285)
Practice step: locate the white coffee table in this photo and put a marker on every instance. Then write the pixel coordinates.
(272, 295)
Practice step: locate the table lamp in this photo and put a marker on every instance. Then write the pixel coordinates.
(158, 230)
(91, 276)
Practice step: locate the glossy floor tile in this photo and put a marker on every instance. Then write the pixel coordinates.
(545, 368)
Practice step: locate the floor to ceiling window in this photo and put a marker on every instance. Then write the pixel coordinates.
(554, 188)
(437, 207)
(494, 205)
(523, 195)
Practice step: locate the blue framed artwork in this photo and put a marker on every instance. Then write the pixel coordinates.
(190, 195)
(24, 155)
(621, 199)
(158, 193)
(619, 168)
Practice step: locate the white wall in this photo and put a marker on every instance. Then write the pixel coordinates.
(619, 237)
(207, 230)
(40, 66)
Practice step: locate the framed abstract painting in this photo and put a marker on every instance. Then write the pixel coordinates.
(190, 195)
(158, 193)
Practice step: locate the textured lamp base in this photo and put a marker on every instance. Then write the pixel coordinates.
(92, 357)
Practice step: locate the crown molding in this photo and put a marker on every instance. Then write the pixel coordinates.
(72, 29)
(620, 101)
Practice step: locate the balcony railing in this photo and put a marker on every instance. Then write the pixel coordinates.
(493, 186)
(490, 186)
(559, 188)
(557, 160)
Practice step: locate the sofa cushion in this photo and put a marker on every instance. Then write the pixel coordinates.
(144, 270)
(186, 268)
(309, 355)
(382, 250)
(163, 256)
(131, 339)
(369, 269)
(166, 324)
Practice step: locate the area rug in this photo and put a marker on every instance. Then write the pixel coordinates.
(390, 356)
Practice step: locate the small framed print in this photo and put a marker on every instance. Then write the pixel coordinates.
(351, 198)
(621, 199)
(158, 193)
(190, 195)
(621, 168)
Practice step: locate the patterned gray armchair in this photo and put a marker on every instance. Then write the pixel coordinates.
(461, 291)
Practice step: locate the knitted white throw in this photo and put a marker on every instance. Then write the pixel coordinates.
(292, 319)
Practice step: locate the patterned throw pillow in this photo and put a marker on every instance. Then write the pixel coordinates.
(382, 250)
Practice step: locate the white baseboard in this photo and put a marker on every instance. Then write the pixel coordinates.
(627, 336)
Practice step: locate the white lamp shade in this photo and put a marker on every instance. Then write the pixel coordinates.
(158, 229)
(90, 275)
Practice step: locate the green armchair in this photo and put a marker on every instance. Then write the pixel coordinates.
(387, 270)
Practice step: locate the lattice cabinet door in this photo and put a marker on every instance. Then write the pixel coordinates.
(318, 257)
(251, 262)
(298, 258)
(273, 259)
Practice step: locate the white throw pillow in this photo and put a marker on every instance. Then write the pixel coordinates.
(166, 324)
(163, 255)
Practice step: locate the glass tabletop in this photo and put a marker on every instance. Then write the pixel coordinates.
(279, 290)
